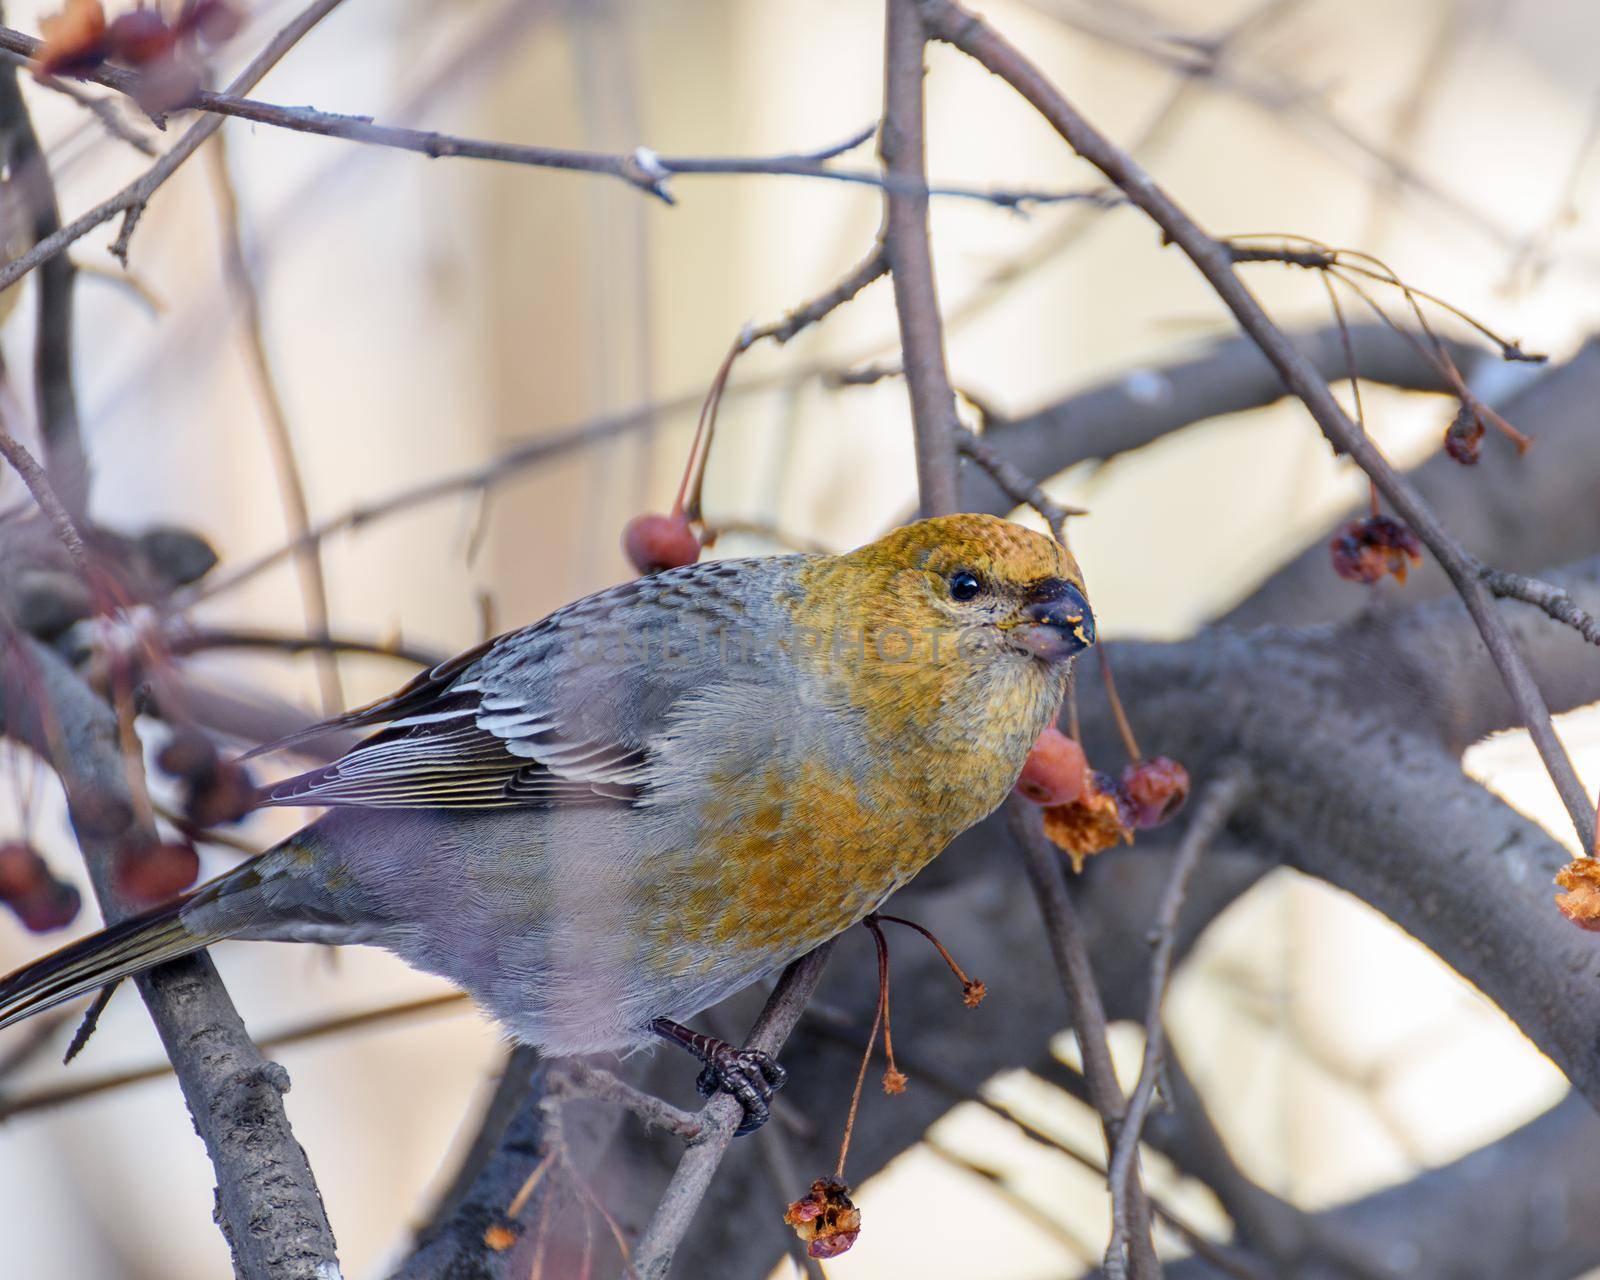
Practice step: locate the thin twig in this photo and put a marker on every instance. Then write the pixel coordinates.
(27, 466)
(103, 109)
(131, 200)
(975, 37)
(280, 439)
(1071, 953)
(1211, 814)
(720, 1117)
(872, 267)
(576, 1078)
(184, 640)
(1015, 483)
(905, 235)
(28, 181)
(316, 1029)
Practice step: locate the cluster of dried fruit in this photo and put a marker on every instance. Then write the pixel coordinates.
(1580, 902)
(1086, 811)
(31, 890)
(79, 39)
(825, 1218)
(1366, 549)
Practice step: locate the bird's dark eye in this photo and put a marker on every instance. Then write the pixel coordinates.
(964, 585)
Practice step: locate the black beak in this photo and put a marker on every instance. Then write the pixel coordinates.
(1062, 623)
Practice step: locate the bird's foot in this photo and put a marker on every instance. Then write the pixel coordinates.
(750, 1075)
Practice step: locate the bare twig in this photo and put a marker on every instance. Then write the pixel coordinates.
(28, 183)
(184, 640)
(977, 39)
(1554, 600)
(872, 267)
(317, 1029)
(905, 236)
(103, 109)
(131, 200)
(1012, 481)
(720, 1117)
(280, 440)
(576, 1078)
(1219, 801)
(1071, 954)
(27, 466)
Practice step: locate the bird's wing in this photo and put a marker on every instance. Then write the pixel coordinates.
(564, 711)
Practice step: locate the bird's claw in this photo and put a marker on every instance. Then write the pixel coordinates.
(751, 1076)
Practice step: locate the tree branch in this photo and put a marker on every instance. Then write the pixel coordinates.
(1214, 261)
(267, 1200)
(905, 234)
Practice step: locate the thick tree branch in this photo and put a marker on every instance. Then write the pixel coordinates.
(267, 1200)
(1150, 402)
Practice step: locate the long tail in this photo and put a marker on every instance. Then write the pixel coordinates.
(131, 946)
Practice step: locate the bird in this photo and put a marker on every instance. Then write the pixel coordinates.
(603, 823)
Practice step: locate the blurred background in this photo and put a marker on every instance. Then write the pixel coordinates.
(421, 316)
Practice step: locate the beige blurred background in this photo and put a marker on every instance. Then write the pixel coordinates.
(423, 314)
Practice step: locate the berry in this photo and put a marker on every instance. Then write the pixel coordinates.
(139, 37)
(214, 21)
(22, 871)
(655, 542)
(1364, 550)
(1056, 769)
(227, 795)
(157, 872)
(53, 905)
(1154, 790)
(188, 754)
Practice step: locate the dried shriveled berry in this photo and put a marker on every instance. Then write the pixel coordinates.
(1056, 770)
(1156, 789)
(1581, 901)
(825, 1218)
(1365, 550)
(656, 542)
(74, 39)
(1092, 823)
(1463, 438)
(139, 37)
(157, 872)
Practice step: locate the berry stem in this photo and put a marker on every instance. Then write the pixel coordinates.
(1123, 727)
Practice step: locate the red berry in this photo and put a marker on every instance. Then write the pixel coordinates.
(157, 872)
(214, 21)
(139, 37)
(1155, 789)
(22, 871)
(1055, 771)
(227, 795)
(53, 905)
(656, 542)
(189, 754)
